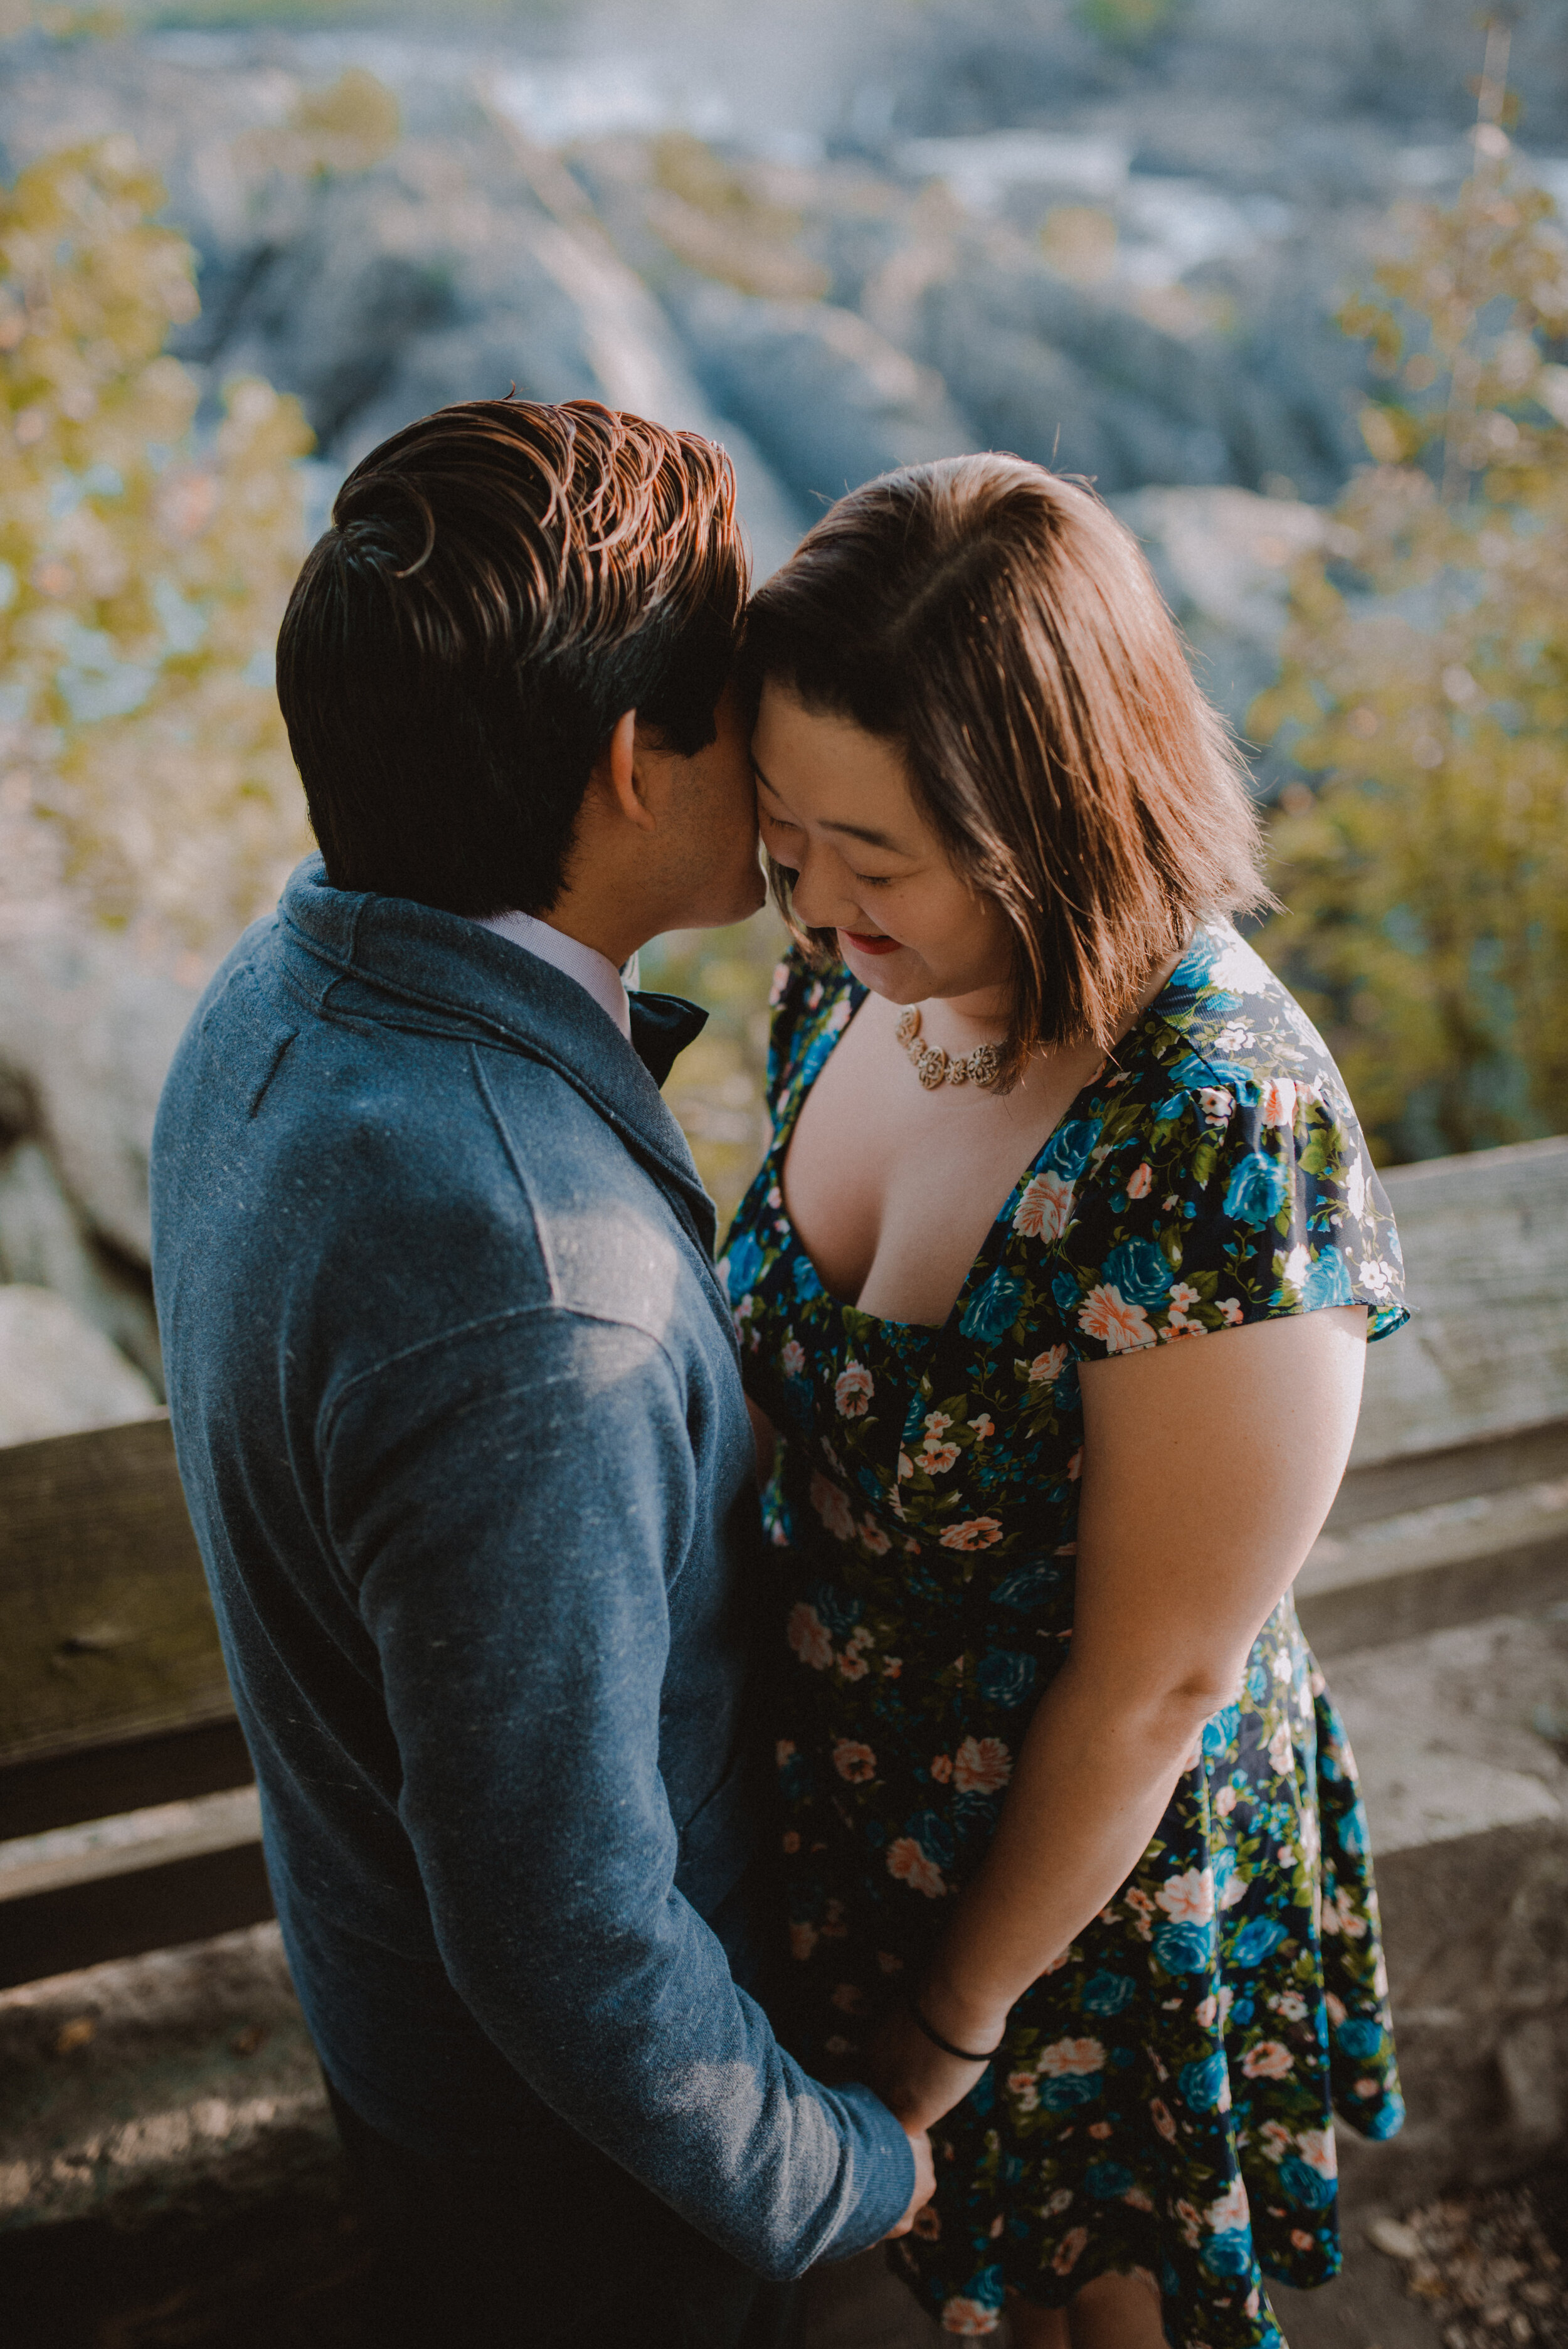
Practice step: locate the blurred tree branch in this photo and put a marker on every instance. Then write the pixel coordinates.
(144, 769)
(1426, 678)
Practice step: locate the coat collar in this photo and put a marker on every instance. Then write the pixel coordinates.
(389, 959)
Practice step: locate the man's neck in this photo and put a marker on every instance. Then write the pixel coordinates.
(600, 979)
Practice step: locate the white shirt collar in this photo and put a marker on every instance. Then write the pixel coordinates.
(592, 971)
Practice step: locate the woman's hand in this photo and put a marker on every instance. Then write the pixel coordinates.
(912, 2075)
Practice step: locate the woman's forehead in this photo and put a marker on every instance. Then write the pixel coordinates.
(829, 768)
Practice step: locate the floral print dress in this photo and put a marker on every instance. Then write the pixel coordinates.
(1164, 2098)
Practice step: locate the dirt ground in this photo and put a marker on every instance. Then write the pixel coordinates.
(295, 2273)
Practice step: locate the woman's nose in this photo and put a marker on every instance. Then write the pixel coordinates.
(819, 898)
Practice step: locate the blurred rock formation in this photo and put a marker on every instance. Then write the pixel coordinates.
(87, 1033)
(1122, 258)
(1107, 236)
(57, 1373)
(1224, 559)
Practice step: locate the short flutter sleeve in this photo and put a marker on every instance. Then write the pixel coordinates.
(1237, 1197)
(810, 1009)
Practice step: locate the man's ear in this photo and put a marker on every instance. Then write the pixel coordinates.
(616, 773)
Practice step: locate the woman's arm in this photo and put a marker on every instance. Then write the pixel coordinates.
(1209, 1468)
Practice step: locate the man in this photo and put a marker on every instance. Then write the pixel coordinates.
(458, 1410)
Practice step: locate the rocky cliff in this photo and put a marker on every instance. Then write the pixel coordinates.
(838, 241)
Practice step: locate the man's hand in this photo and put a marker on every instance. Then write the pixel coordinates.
(924, 2181)
(913, 2078)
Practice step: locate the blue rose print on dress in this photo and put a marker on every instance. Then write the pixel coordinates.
(995, 1309)
(839, 1608)
(934, 1836)
(1073, 2089)
(1141, 1270)
(1004, 1678)
(1257, 1939)
(1107, 1993)
(1069, 1149)
(1066, 1292)
(1202, 2083)
(816, 1054)
(1194, 966)
(1184, 1948)
(1306, 2188)
(1257, 1189)
(1027, 1585)
(1353, 1828)
(988, 2288)
(1327, 1283)
(924, 1556)
(1208, 1068)
(741, 1267)
(807, 1284)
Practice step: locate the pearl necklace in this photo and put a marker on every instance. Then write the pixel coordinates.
(934, 1067)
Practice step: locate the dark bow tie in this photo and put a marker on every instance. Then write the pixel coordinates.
(662, 1027)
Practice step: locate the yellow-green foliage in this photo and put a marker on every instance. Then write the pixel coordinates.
(714, 217)
(715, 1089)
(1426, 676)
(345, 128)
(145, 764)
(61, 24)
(1125, 24)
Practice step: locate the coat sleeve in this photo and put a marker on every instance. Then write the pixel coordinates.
(512, 1504)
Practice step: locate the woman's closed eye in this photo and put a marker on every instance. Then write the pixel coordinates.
(774, 826)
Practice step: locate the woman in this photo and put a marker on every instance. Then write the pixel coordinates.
(1078, 1866)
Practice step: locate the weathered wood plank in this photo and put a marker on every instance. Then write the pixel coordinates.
(105, 1628)
(57, 1790)
(1377, 1490)
(121, 1916)
(1486, 1252)
(127, 1844)
(1432, 1594)
(1424, 1542)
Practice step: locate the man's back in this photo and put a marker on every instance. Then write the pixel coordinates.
(457, 1414)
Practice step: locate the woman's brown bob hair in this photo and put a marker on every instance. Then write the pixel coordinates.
(1001, 626)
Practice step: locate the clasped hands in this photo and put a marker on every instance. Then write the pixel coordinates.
(918, 2083)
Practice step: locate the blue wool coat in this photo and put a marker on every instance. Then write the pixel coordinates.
(458, 1417)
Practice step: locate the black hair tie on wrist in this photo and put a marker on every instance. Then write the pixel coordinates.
(962, 2055)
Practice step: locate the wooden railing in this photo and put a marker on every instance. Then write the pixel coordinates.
(113, 1700)
(1455, 1505)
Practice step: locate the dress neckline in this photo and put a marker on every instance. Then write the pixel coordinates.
(785, 1135)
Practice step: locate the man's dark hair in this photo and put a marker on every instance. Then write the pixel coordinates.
(502, 582)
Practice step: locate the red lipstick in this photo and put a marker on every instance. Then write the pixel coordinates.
(877, 946)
